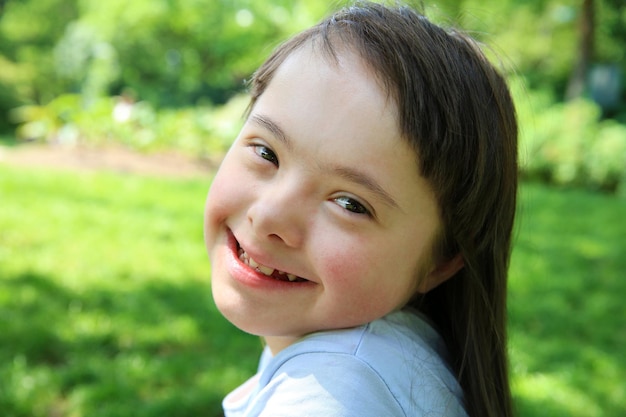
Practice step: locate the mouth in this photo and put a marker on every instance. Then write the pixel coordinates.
(266, 270)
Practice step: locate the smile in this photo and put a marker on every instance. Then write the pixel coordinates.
(266, 270)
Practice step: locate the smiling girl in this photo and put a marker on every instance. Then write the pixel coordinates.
(361, 223)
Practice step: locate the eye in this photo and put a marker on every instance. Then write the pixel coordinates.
(352, 205)
(266, 153)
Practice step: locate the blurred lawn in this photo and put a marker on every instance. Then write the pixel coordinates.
(105, 306)
(566, 306)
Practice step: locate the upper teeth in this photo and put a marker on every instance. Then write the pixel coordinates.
(265, 270)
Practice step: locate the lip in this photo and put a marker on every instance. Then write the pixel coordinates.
(250, 277)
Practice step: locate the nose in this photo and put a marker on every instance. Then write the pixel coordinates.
(281, 211)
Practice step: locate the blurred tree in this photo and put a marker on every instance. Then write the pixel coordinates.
(171, 53)
(28, 32)
(184, 52)
(175, 53)
(586, 36)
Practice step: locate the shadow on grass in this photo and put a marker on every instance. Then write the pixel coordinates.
(566, 305)
(9, 140)
(158, 350)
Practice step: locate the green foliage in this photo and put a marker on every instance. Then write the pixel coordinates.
(200, 131)
(177, 53)
(540, 38)
(568, 144)
(169, 53)
(28, 32)
(105, 305)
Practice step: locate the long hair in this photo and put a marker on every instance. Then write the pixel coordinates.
(455, 110)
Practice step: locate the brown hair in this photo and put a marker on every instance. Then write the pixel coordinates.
(455, 109)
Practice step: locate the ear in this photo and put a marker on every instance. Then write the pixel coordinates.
(441, 273)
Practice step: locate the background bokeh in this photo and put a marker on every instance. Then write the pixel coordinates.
(105, 306)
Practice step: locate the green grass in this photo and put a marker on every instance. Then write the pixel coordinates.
(105, 306)
(567, 311)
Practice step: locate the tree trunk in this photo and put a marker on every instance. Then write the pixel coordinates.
(586, 34)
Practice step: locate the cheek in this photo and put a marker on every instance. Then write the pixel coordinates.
(344, 265)
(225, 198)
(370, 280)
(359, 274)
(338, 270)
(219, 198)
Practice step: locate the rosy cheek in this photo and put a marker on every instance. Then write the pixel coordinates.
(337, 269)
(346, 267)
(354, 283)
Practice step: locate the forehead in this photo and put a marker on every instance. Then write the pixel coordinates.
(313, 80)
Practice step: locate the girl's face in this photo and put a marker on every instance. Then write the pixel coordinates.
(317, 218)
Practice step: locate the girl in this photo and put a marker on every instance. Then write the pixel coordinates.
(361, 223)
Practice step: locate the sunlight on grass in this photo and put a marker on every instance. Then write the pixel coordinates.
(104, 289)
(105, 305)
(566, 311)
(550, 395)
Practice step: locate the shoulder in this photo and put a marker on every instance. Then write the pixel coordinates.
(332, 384)
(388, 367)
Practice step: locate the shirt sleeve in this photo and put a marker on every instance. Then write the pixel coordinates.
(324, 385)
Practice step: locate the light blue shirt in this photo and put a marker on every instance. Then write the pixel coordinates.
(394, 366)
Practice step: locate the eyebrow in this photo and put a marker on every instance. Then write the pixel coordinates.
(366, 181)
(347, 173)
(272, 127)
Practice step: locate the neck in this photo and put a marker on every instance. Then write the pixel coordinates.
(278, 343)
